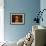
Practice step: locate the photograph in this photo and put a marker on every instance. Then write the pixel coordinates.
(17, 18)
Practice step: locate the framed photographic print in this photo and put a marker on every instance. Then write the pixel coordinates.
(17, 18)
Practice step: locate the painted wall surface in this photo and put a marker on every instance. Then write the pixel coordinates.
(43, 6)
(29, 8)
(1, 20)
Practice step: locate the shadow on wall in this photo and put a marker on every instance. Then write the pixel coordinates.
(39, 16)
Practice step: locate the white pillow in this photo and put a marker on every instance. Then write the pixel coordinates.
(20, 42)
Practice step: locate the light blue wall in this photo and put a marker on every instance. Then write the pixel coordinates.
(29, 8)
(43, 6)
